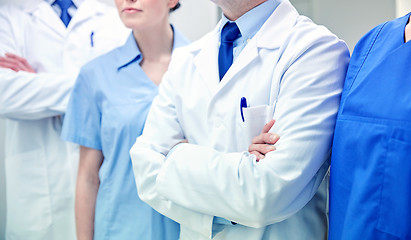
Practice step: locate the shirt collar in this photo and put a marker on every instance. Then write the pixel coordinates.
(129, 52)
(251, 21)
(76, 3)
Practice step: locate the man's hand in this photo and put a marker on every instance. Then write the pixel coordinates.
(263, 143)
(15, 63)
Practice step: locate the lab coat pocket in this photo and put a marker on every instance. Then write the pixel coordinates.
(254, 120)
(28, 196)
(395, 208)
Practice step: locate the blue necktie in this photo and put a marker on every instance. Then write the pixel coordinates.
(64, 5)
(229, 34)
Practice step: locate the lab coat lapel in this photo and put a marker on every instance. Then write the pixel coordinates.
(271, 36)
(206, 60)
(43, 13)
(246, 57)
(86, 10)
(273, 33)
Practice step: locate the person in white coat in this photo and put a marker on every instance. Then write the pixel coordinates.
(284, 67)
(40, 59)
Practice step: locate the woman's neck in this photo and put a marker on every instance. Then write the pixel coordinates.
(155, 42)
(156, 45)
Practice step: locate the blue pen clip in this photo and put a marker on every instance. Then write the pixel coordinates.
(243, 104)
(92, 39)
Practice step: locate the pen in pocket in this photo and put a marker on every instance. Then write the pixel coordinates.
(92, 39)
(243, 104)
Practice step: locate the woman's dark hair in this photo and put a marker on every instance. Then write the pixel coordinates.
(175, 7)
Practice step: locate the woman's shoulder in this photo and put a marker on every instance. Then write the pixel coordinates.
(105, 61)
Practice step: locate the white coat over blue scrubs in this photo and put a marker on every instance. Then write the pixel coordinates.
(291, 70)
(370, 188)
(107, 111)
(40, 168)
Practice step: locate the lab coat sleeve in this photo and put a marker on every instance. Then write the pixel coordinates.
(161, 132)
(256, 194)
(23, 95)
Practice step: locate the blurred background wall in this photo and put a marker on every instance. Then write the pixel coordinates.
(348, 19)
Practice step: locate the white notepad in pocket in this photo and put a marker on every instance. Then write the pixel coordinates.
(254, 120)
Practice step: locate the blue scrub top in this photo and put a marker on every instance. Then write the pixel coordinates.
(107, 111)
(370, 186)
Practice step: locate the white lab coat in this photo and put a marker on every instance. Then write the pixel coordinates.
(40, 168)
(292, 71)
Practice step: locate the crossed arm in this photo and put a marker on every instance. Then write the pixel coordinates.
(15, 63)
(204, 182)
(28, 95)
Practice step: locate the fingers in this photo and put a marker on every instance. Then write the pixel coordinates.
(25, 65)
(261, 148)
(264, 143)
(12, 63)
(265, 138)
(19, 59)
(258, 155)
(10, 60)
(14, 56)
(15, 63)
(7, 64)
(268, 126)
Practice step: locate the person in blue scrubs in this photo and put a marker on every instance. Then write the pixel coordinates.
(107, 112)
(370, 188)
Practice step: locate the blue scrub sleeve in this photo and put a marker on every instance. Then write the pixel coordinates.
(82, 122)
